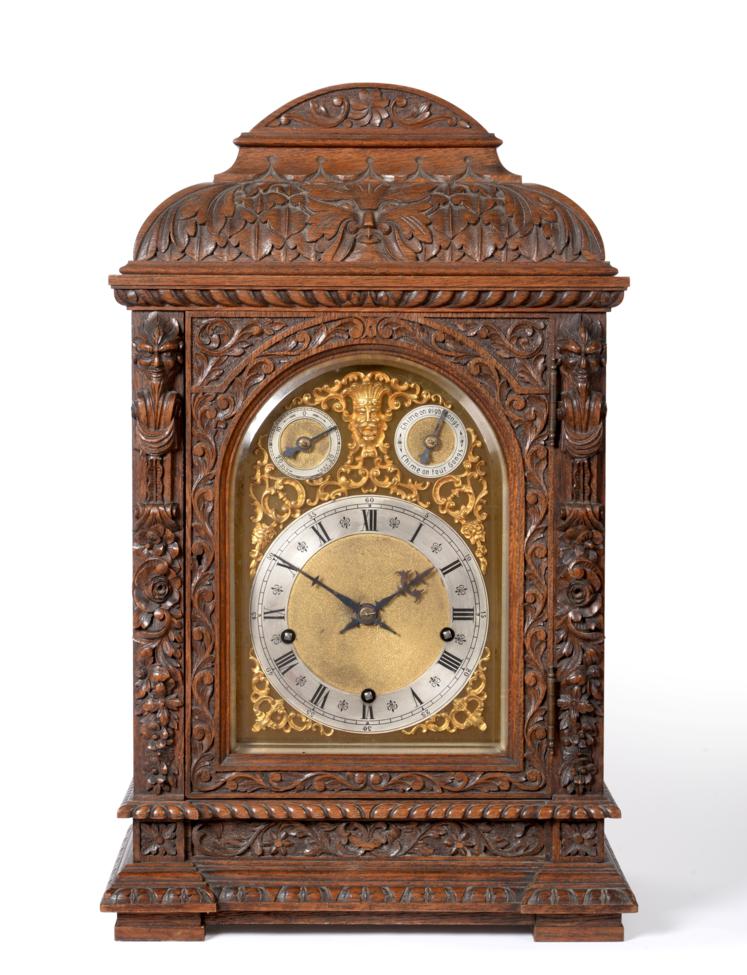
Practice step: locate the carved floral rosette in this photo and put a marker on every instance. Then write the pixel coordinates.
(505, 360)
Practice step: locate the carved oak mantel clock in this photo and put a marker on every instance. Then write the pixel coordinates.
(368, 537)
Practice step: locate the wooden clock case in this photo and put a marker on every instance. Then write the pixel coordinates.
(378, 218)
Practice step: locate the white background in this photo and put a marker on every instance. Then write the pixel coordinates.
(634, 110)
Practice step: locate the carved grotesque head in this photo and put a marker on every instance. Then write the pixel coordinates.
(582, 355)
(157, 347)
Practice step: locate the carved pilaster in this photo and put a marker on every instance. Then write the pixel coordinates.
(158, 389)
(579, 622)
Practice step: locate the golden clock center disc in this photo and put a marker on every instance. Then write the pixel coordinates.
(296, 430)
(366, 569)
(419, 439)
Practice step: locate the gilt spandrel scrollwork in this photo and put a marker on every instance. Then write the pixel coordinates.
(158, 561)
(482, 349)
(467, 710)
(367, 402)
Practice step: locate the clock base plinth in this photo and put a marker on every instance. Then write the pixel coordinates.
(560, 898)
(159, 927)
(158, 901)
(570, 928)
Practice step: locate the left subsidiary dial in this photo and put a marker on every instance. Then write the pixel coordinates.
(304, 442)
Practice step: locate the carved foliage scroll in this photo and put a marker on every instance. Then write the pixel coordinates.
(508, 360)
(323, 217)
(580, 578)
(370, 108)
(358, 840)
(158, 551)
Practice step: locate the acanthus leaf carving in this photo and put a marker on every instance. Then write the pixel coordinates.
(323, 217)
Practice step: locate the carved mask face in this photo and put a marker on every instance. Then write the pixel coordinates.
(581, 358)
(367, 424)
(158, 347)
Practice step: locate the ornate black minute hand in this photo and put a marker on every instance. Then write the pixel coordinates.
(406, 587)
(316, 581)
(432, 440)
(305, 443)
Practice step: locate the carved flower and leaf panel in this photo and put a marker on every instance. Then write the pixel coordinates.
(158, 348)
(232, 357)
(355, 840)
(579, 625)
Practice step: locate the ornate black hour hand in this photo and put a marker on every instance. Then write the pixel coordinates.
(433, 439)
(360, 619)
(316, 581)
(304, 444)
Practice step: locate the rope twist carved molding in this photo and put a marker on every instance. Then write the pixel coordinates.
(374, 810)
(370, 218)
(508, 360)
(511, 298)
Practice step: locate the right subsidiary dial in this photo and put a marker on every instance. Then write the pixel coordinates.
(431, 441)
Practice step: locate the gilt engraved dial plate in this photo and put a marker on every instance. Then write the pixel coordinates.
(368, 614)
(431, 441)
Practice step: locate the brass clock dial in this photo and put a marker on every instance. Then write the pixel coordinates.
(368, 614)
(431, 441)
(304, 442)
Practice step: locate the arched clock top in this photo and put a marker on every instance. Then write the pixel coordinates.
(360, 175)
(369, 106)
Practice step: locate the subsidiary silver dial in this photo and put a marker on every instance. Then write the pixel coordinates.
(431, 441)
(304, 442)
